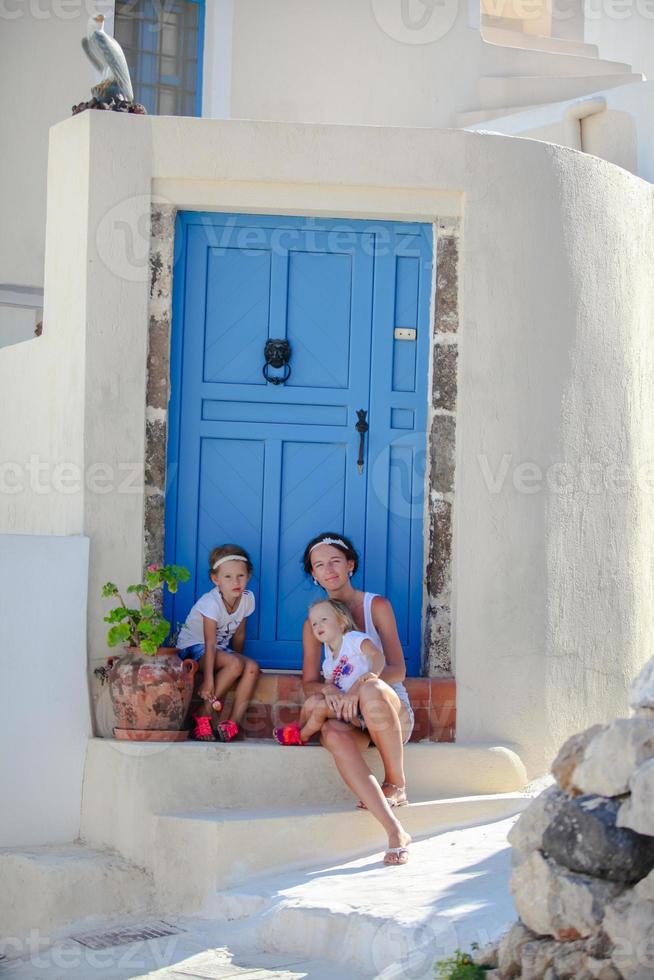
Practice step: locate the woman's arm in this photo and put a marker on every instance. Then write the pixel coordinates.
(374, 655)
(311, 679)
(384, 619)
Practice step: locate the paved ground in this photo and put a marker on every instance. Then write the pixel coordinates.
(356, 920)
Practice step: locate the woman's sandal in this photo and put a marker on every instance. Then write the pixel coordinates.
(392, 801)
(288, 734)
(203, 732)
(226, 731)
(401, 853)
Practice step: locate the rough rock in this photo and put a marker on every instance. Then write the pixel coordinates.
(487, 956)
(526, 835)
(555, 902)
(509, 954)
(603, 969)
(612, 755)
(536, 957)
(641, 693)
(637, 812)
(570, 755)
(583, 837)
(571, 960)
(629, 922)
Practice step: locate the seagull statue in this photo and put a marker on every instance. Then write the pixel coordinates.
(106, 54)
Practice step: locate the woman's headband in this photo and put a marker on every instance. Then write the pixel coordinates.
(221, 561)
(329, 541)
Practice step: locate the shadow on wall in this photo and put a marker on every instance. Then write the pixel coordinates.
(613, 136)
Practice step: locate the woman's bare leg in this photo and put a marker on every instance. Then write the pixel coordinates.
(383, 713)
(346, 745)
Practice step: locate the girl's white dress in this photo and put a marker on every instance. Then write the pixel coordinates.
(349, 664)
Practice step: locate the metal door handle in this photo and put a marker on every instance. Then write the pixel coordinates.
(361, 427)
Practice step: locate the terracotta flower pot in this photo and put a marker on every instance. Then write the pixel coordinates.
(150, 694)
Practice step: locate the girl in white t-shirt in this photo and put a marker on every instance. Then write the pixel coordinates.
(350, 658)
(214, 635)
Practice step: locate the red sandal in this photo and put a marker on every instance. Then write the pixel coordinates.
(226, 731)
(203, 732)
(288, 735)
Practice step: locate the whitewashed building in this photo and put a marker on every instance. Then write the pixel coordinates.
(505, 495)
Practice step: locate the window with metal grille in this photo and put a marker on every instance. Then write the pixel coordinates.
(163, 42)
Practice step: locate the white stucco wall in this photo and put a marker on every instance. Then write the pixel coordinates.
(44, 700)
(623, 30)
(43, 66)
(615, 124)
(552, 590)
(345, 62)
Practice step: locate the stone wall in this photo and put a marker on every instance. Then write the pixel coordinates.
(583, 857)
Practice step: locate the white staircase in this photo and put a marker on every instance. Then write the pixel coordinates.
(45, 889)
(167, 827)
(201, 817)
(523, 71)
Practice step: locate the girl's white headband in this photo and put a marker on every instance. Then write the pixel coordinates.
(329, 541)
(221, 561)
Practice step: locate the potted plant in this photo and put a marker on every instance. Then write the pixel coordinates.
(150, 687)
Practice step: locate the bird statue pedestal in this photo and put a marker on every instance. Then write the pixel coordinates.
(112, 104)
(114, 91)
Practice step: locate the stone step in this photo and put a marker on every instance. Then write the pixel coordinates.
(527, 90)
(518, 39)
(198, 855)
(49, 888)
(391, 924)
(127, 783)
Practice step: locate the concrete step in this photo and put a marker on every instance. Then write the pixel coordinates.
(49, 888)
(496, 60)
(518, 39)
(127, 783)
(198, 855)
(528, 90)
(391, 924)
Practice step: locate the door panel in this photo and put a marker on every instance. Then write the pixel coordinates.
(269, 466)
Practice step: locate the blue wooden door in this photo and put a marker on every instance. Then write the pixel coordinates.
(268, 466)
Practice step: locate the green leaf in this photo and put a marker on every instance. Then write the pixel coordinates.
(149, 646)
(109, 589)
(118, 634)
(117, 615)
(148, 611)
(140, 589)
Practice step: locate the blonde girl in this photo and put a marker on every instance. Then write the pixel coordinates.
(351, 659)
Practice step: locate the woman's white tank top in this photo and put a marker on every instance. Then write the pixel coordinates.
(369, 628)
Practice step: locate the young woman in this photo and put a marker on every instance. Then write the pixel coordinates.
(381, 706)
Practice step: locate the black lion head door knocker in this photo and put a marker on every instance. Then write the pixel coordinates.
(277, 354)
